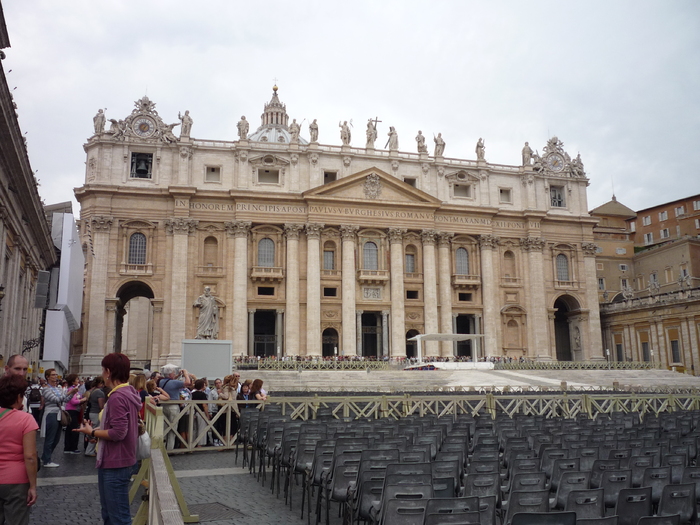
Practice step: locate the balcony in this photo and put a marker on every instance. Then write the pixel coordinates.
(511, 281)
(267, 273)
(413, 277)
(566, 285)
(136, 269)
(210, 271)
(330, 274)
(466, 282)
(372, 276)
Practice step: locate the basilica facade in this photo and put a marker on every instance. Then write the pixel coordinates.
(312, 249)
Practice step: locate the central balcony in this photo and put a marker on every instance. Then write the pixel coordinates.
(267, 273)
(466, 282)
(372, 276)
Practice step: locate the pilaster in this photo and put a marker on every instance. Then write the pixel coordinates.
(398, 316)
(313, 289)
(291, 324)
(239, 230)
(348, 234)
(445, 264)
(487, 244)
(430, 301)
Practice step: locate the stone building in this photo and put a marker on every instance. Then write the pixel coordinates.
(312, 249)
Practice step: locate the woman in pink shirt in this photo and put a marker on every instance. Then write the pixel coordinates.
(72, 439)
(18, 453)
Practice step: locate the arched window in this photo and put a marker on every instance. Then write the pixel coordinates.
(370, 255)
(137, 248)
(211, 251)
(329, 255)
(462, 260)
(509, 264)
(410, 259)
(562, 267)
(266, 253)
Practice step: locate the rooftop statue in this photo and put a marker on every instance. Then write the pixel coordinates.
(480, 149)
(371, 133)
(527, 154)
(439, 145)
(186, 123)
(345, 133)
(313, 131)
(393, 141)
(294, 130)
(99, 122)
(420, 142)
(243, 128)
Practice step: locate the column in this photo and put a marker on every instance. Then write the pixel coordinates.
(445, 272)
(552, 341)
(454, 331)
(489, 295)
(157, 334)
(595, 346)
(654, 343)
(358, 331)
(251, 332)
(385, 332)
(398, 316)
(180, 229)
(685, 341)
(279, 331)
(313, 289)
(692, 331)
(291, 325)
(478, 329)
(94, 332)
(239, 230)
(348, 233)
(113, 309)
(430, 301)
(538, 333)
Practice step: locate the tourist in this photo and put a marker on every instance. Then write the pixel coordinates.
(95, 403)
(257, 392)
(118, 436)
(18, 463)
(54, 397)
(244, 396)
(34, 400)
(202, 414)
(138, 381)
(155, 392)
(73, 405)
(172, 387)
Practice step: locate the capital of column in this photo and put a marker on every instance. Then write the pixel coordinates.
(292, 231)
(359, 312)
(445, 238)
(488, 241)
(589, 249)
(313, 230)
(348, 232)
(535, 244)
(385, 312)
(101, 223)
(181, 226)
(428, 236)
(238, 228)
(396, 235)
(252, 310)
(280, 311)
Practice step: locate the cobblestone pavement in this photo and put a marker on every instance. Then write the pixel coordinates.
(213, 485)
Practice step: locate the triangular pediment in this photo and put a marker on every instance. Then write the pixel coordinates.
(372, 186)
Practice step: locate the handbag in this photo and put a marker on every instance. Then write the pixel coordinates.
(143, 447)
(65, 418)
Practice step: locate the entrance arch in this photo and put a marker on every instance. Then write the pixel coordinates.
(329, 340)
(567, 337)
(134, 326)
(411, 346)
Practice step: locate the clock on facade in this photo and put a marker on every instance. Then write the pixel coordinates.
(144, 126)
(555, 162)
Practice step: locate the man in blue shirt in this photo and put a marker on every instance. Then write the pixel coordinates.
(172, 385)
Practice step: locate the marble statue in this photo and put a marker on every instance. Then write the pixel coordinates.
(371, 134)
(186, 123)
(577, 167)
(243, 128)
(313, 131)
(345, 133)
(167, 132)
(294, 130)
(480, 149)
(627, 293)
(99, 121)
(420, 141)
(393, 142)
(117, 128)
(208, 324)
(527, 154)
(439, 145)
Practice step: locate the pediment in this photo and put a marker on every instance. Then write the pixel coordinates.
(372, 186)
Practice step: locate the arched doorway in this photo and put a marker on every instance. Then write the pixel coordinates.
(133, 334)
(411, 346)
(329, 342)
(568, 347)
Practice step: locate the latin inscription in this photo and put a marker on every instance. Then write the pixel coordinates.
(364, 212)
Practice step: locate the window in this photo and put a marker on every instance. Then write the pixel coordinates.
(329, 255)
(370, 256)
(623, 268)
(213, 174)
(330, 292)
(411, 294)
(211, 251)
(462, 261)
(599, 266)
(268, 176)
(663, 215)
(556, 195)
(464, 297)
(697, 224)
(410, 263)
(640, 282)
(601, 283)
(329, 176)
(410, 181)
(633, 226)
(137, 248)
(620, 352)
(646, 355)
(668, 274)
(696, 205)
(675, 351)
(266, 290)
(680, 210)
(678, 231)
(141, 165)
(664, 233)
(509, 264)
(646, 221)
(653, 278)
(624, 283)
(463, 190)
(562, 267)
(648, 238)
(505, 195)
(266, 253)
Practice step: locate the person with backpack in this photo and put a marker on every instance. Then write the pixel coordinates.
(35, 400)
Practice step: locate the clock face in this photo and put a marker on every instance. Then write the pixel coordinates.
(555, 162)
(144, 127)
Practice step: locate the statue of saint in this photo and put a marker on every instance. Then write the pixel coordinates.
(527, 154)
(99, 122)
(313, 131)
(186, 123)
(208, 324)
(243, 128)
(480, 149)
(420, 140)
(393, 142)
(371, 134)
(345, 133)
(294, 130)
(168, 135)
(439, 145)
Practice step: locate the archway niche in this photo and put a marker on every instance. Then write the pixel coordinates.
(329, 342)
(133, 334)
(567, 332)
(411, 346)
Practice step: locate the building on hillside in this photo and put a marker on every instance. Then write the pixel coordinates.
(25, 247)
(649, 293)
(311, 249)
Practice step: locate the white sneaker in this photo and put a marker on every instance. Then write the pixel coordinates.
(51, 465)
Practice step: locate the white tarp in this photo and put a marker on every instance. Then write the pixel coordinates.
(441, 337)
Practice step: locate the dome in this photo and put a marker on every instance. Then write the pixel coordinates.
(274, 127)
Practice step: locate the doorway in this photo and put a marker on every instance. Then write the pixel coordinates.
(264, 336)
(329, 342)
(371, 334)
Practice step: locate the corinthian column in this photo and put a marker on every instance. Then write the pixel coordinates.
(291, 325)
(239, 230)
(538, 325)
(180, 229)
(430, 290)
(445, 264)
(348, 234)
(489, 295)
(398, 317)
(313, 289)
(594, 349)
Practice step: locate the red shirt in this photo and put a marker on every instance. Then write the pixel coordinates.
(13, 426)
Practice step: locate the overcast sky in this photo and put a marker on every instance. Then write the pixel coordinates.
(616, 81)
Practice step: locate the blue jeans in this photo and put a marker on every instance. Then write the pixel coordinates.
(114, 495)
(53, 436)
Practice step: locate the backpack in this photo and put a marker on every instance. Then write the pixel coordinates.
(34, 395)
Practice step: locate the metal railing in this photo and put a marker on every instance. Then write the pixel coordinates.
(277, 364)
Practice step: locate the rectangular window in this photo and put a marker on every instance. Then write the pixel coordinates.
(664, 233)
(624, 283)
(633, 226)
(601, 283)
(653, 278)
(463, 190)
(329, 176)
(697, 224)
(680, 210)
(410, 181)
(620, 352)
(646, 221)
(410, 263)
(213, 174)
(668, 273)
(646, 355)
(556, 195)
(141, 165)
(663, 215)
(599, 266)
(465, 297)
(696, 205)
(328, 260)
(648, 238)
(675, 351)
(268, 176)
(505, 195)
(640, 282)
(411, 294)
(266, 290)
(623, 268)
(678, 231)
(330, 292)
